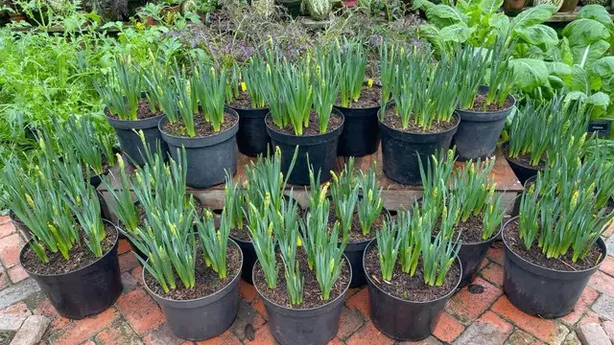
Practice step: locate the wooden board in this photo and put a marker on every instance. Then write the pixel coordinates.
(567, 17)
(396, 196)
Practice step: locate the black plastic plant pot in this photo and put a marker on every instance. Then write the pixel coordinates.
(478, 132)
(201, 318)
(401, 319)
(87, 291)
(471, 256)
(252, 138)
(523, 173)
(321, 149)
(401, 151)
(542, 291)
(130, 141)
(360, 135)
(21, 227)
(249, 258)
(354, 253)
(311, 326)
(208, 158)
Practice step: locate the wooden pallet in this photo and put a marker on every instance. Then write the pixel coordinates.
(395, 195)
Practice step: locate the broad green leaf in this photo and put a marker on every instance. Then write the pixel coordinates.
(490, 6)
(443, 15)
(598, 104)
(556, 82)
(601, 74)
(539, 35)
(579, 80)
(566, 54)
(499, 21)
(595, 12)
(575, 96)
(529, 74)
(456, 33)
(582, 32)
(560, 70)
(532, 16)
(589, 54)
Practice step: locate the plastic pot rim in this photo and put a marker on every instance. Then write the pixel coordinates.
(246, 109)
(484, 88)
(216, 295)
(23, 248)
(150, 122)
(323, 306)
(216, 138)
(454, 116)
(313, 139)
(450, 293)
(538, 267)
(490, 239)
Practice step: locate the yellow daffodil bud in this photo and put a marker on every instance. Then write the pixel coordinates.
(299, 243)
(370, 83)
(243, 86)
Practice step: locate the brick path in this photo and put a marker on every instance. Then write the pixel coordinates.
(486, 318)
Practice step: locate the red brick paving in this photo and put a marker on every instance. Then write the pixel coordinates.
(136, 319)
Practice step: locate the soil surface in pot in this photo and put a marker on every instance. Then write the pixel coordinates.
(524, 160)
(369, 97)
(392, 120)
(480, 99)
(355, 232)
(243, 101)
(471, 230)
(312, 296)
(207, 280)
(143, 112)
(405, 287)
(80, 256)
(201, 126)
(537, 257)
(313, 128)
(242, 235)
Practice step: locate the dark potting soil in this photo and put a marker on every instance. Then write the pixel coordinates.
(207, 280)
(470, 231)
(535, 255)
(313, 128)
(143, 112)
(242, 235)
(405, 287)
(355, 232)
(243, 101)
(480, 99)
(392, 120)
(524, 160)
(80, 256)
(312, 296)
(201, 127)
(369, 97)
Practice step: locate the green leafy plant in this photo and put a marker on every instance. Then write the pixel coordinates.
(260, 226)
(424, 93)
(388, 244)
(491, 67)
(370, 206)
(352, 62)
(256, 80)
(123, 206)
(286, 227)
(324, 252)
(214, 241)
(560, 218)
(325, 86)
(122, 89)
(290, 96)
(210, 89)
